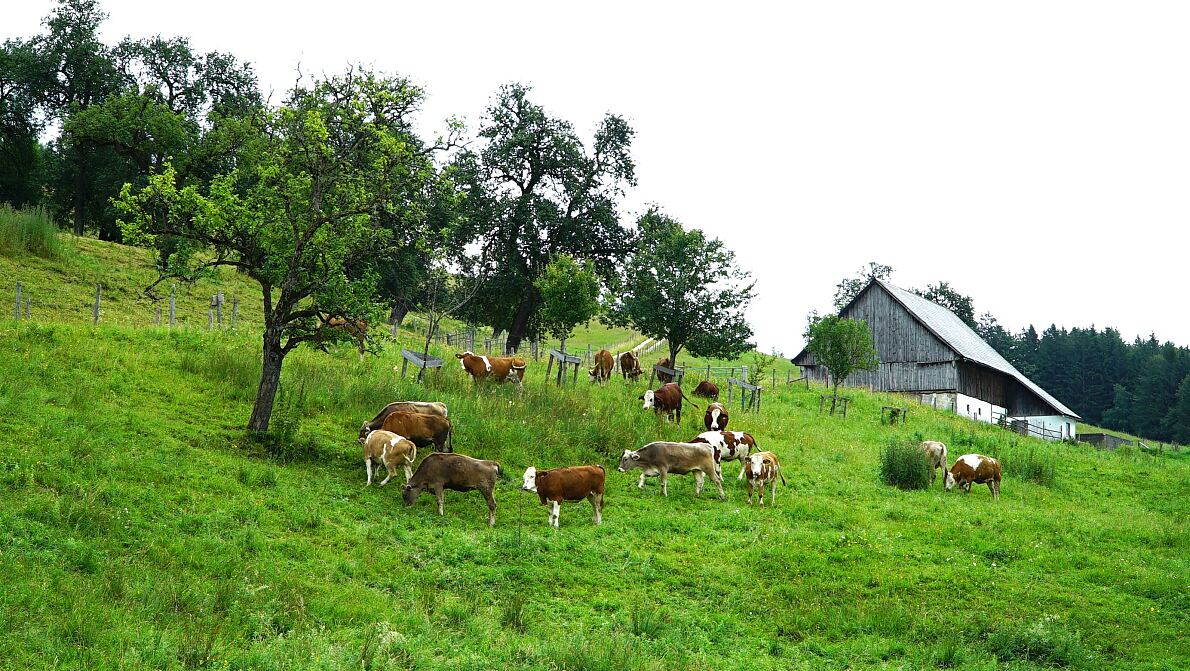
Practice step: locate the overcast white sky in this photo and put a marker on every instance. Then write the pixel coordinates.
(1036, 155)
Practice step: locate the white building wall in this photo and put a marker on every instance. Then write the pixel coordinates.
(1066, 427)
(974, 408)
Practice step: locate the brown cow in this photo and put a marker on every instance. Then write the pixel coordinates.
(662, 458)
(386, 447)
(763, 468)
(421, 429)
(425, 408)
(456, 472)
(629, 366)
(665, 377)
(602, 371)
(567, 484)
(707, 389)
(715, 418)
(498, 368)
(974, 468)
(667, 399)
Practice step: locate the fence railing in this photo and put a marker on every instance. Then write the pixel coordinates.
(1026, 428)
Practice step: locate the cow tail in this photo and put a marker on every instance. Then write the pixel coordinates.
(450, 437)
(688, 399)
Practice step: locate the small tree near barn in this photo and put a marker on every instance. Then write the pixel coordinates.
(686, 289)
(569, 294)
(843, 346)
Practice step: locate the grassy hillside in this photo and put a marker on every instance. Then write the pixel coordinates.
(140, 529)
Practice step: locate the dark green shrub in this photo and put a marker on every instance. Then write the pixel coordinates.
(904, 466)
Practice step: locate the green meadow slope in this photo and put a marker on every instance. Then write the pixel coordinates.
(139, 528)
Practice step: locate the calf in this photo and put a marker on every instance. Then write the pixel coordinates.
(386, 447)
(728, 445)
(629, 366)
(567, 484)
(763, 468)
(716, 417)
(423, 408)
(667, 399)
(935, 457)
(456, 472)
(662, 458)
(974, 468)
(602, 369)
(707, 389)
(665, 377)
(498, 368)
(421, 429)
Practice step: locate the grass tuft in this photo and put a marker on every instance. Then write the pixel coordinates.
(30, 231)
(1031, 464)
(1045, 642)
(904, 466)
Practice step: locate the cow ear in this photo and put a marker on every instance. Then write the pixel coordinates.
(635, 456)
(641, 397)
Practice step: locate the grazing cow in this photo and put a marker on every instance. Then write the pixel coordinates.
(662, 458)
(667, 399)
(715, 418)
(386, 447)
(498, 368)
(629, 366)
(935, 457)
(728, 445)
(356, 328)
(567, 484)
(602, 371)
(763, 468)
(421, 429)
(456, 472)
(665, 377)
(974, 468)
(425, 408)
(707, 389)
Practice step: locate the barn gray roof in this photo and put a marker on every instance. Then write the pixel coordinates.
(966, 342)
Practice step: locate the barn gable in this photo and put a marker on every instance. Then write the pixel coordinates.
(924, 347)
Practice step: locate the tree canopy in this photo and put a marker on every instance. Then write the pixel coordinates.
(569, 295)
(843, 346)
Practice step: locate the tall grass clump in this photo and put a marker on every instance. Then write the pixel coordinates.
(1044, 643)
(1030, 463)
(29, 231)
(904, 466)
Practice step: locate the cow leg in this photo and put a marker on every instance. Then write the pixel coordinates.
(665, 483)
(642, 481)
(718, 480)
(555, 514)
(388, 469)
(438, 495)
(368, 467)
(596, 503)
(699, 477)
(491, 499)
(773, 498)
(749, 491)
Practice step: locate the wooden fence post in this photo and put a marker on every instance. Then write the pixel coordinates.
(235, 310)
(28, 301)
(210, 318)
(16, 312)
(95, 310)
(157, 319)
(173, 304)
(219, 307)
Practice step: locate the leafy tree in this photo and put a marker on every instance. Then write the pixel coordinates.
(299, 212)
(995, 335)
(843, 346)
(1119, 416)
(21, 157)
(535, 192)
(1177, 421)
(946, 296)
(685, 288)
(569, 295)
(848, 289)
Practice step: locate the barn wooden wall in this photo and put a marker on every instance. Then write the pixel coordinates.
(899, 338)
(897, 377)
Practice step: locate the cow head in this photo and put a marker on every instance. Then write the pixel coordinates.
(949, 480)
(647, 397)
(363, 433)
(628, 461)
(530, 484)
(755, 466)
(410, 494)
(715, 412)
(593, 374)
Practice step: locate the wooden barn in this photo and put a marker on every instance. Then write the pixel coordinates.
(928, 353)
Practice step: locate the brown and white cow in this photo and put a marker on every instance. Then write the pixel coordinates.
(715, 418)
(391, 450)
(421, 429)
(498, 368)
(574, 483)
(665, 377)
(629, 366)
(667, 399)
(423, 407)
(974, 468)
(707, 389)
(662, 458)
(728, 445)
(762, 469)
(602, 370)
(935, 457)
(456, 472)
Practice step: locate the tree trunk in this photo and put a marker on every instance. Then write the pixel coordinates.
(673, 355)
(397, 315)
(517, 330)
(834, 398)
(270, 381)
